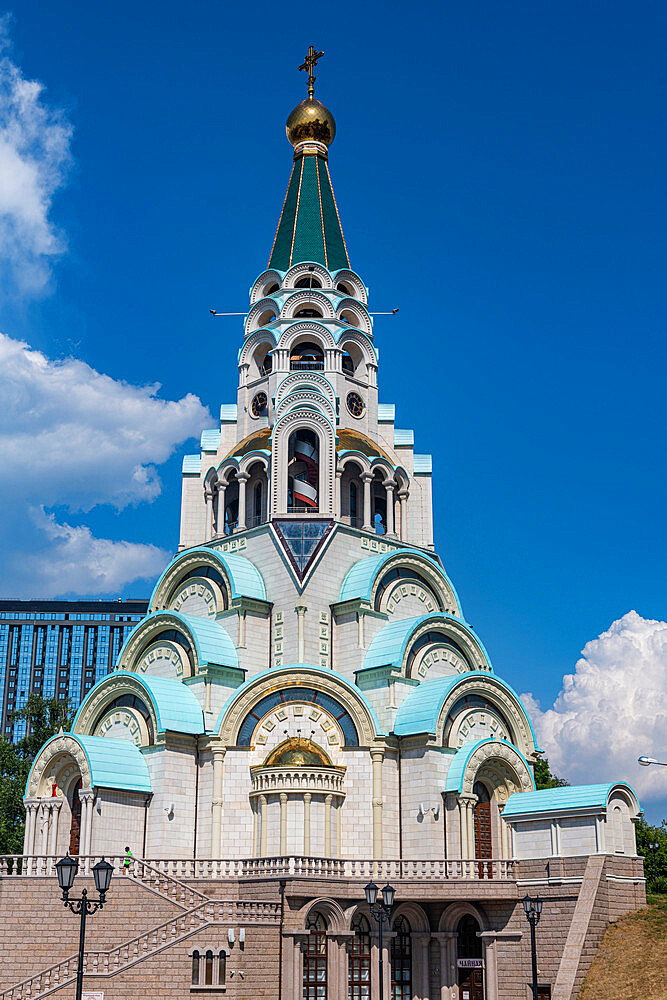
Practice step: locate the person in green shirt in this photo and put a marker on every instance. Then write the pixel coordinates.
(127, 861)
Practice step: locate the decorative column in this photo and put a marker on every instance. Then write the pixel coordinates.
(327, 825)
(87, 797)
(216, 801)
(490, 942)
(220, 508)
(31, 807)
(301, 607)
(339, 829)
(403, 500)
(367, 479)
(448, 940)
(377, 756)
(208, 529)
(263, 832)
(389, 488)
(56, 803)
(44, 826)
(283, 823)
(420, 964)
(242, 478)
(306, 823)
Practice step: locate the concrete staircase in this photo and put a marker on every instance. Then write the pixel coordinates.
(574, 945)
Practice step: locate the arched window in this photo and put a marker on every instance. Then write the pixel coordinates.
(267, 317)
(264, 359)
(257, 504)
(353, 503)
(345, 289)
(359, 965)
(315, 959)
(303, 471)
(308, 281)
(471, 974)
(306, 357)
(271, 288)
(348, 363)
(195, 968)
(401, 961)
(208, 969)
(308, 312)
(222, 968)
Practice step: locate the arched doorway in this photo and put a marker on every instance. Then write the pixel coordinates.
(483, 844)
(303, 461)
(469, 960)
(75, 824)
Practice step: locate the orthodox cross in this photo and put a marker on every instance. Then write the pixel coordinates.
(309, 63)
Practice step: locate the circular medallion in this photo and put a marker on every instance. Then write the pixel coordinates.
(260, 405)
(355, 404)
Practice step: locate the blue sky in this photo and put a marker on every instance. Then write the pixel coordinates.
(499, 170)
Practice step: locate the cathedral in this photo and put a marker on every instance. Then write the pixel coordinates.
(304, 709)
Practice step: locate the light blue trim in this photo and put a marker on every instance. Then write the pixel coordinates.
(191, 465)
(422, 465)
(386, 413)
(176, 707)
(228, 413)
(360, 578)
(389, 645)
(243, 575)
(420, 711)
(454, 780)
(566, 799)
(113, 763)
(293, 668)
(210, 440)
(213, 643)
(404, 438)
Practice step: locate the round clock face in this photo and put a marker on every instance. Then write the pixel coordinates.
(259, 405)
(355, 404)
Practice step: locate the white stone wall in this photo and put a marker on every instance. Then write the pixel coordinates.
(577, 835)
(532, 839)
(118, 822)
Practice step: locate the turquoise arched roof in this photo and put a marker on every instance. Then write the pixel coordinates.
(113, 763)
(564, 799)
(359, 581)
(244, 577)
(295, 668)
(454, 780)
(212, 641)
(176, 707)
(420, 711)
(389, 645)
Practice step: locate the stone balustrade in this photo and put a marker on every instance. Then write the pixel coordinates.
(317, 780)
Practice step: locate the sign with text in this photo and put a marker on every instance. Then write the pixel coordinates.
(94, 995)
(470, 963)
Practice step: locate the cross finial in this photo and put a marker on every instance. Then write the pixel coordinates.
(309, 63)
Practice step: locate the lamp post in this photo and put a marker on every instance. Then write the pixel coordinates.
(533, 909)
(102, 872)
(646, 761)
(381, 910)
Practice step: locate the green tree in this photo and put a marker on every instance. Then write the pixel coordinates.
(544, 778)
(655, 858)
(44, 718)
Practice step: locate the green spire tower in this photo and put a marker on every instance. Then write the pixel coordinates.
(309, 226)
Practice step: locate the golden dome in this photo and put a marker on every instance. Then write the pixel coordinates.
(311, 120)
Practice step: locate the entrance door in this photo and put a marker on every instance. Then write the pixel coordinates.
(471, 984)
(483, 847)
(75, 826)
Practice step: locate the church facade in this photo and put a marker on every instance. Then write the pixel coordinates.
(304, 708)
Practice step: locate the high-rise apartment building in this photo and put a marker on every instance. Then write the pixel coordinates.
(58, 649)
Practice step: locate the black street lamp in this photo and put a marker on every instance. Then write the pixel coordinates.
(381, 910)
(533, 909)
(102, 872)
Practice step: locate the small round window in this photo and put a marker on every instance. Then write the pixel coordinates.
(260, 405)
(355, 404)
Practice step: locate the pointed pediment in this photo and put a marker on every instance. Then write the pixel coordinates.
(302, 540)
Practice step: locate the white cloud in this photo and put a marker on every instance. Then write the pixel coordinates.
(74, 438)
(611, 710)
(69, 435)
(34, 161)
(73, 561)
